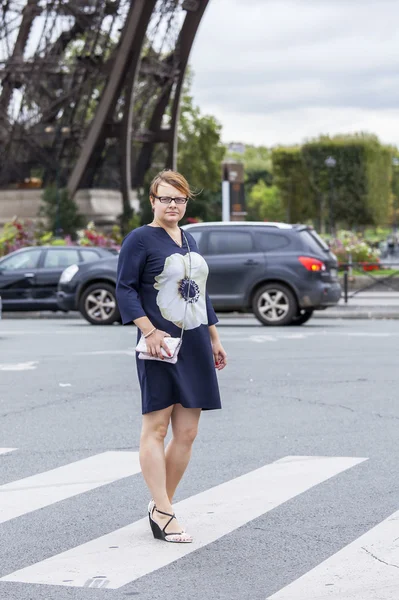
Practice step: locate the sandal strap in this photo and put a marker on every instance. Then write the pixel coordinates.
(170, 520)
(165, 513)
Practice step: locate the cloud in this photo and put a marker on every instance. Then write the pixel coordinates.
(276, 61)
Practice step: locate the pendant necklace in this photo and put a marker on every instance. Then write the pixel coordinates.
(180, 244)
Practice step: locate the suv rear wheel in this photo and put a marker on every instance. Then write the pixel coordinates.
(98, 304)
(302, 316)
(274, 304)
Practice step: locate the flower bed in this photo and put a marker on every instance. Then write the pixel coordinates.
(348, 247)
(19, 234)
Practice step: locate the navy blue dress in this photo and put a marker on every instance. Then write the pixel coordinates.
(152, 281)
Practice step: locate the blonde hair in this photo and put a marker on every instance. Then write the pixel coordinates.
(172, 178)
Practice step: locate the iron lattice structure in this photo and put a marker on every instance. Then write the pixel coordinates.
(88, 88)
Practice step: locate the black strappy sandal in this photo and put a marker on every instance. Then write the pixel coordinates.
(160, 534)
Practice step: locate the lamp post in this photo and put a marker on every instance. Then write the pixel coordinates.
(57, 131)
(330, 163)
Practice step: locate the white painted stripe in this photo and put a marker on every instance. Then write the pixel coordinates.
(131, 552)
(7, 450)
(29, 494)
(366, 569)
(28, 366)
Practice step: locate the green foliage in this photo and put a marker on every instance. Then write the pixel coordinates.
(60, 211)
(291, 178)
(394, 212)
(358, 186)
(265, 204)
(359, 182)
(133, 222)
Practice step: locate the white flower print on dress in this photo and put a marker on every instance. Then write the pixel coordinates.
(174, 293)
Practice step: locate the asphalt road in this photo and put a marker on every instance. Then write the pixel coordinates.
(68, 392)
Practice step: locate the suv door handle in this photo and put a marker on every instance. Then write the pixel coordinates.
(29, 275)
(251, 261)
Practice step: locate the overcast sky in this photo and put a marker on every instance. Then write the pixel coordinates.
(281, 71)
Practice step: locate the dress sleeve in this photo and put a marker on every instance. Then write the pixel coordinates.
(212, 318)
(131, 263)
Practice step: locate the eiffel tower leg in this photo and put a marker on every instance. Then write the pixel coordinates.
(129, 49)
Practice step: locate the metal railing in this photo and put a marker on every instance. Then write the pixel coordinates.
(369, 269)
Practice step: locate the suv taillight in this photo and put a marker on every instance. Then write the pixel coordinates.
(312, 264)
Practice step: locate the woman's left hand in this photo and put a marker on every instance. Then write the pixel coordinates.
(220, 356)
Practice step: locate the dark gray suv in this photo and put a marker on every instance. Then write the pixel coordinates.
(280, 272)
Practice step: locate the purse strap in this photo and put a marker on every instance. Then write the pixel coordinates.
(189, 284)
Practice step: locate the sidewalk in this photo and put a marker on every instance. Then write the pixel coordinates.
(364, 305)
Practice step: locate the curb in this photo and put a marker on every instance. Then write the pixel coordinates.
(357, 313)
(40, 315)
(350, 312)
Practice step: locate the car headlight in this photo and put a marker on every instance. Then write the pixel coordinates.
(69, 273)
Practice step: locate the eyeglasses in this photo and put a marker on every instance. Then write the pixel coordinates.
(168, 199)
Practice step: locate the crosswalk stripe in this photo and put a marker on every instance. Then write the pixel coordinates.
(366, 569)
(7, 450)
(26, 495)
(126, 554)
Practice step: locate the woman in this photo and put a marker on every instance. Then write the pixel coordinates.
(155, 292)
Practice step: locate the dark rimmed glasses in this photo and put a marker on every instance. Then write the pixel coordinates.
(168, 199)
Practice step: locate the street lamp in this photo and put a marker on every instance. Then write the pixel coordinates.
(330, 163)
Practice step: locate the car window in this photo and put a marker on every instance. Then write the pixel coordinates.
(268, 241)
(230, 242)
(89, 255)
(197, 235)
(311, 243)
(60, 259)
(23, 260)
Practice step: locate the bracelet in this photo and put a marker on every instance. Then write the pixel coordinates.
(150, 333)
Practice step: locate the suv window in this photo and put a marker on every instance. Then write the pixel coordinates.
(230, 242)
(23, 260)
(311, 243)
(89, 255)
(58, 259)
(268, 240)
(197, 235)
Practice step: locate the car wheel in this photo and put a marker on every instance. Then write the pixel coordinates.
(98, 304)
(274, 304)
(302, 316)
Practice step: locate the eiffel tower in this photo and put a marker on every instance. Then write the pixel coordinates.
(90, 89)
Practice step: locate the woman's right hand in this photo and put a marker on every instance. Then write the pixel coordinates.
(155, 342)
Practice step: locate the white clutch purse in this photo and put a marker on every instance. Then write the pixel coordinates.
(172, 343)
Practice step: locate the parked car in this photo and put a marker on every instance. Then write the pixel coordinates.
(90, 289)
(29, 276)
(280, 272)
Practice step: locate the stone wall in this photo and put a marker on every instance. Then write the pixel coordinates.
(98, 205)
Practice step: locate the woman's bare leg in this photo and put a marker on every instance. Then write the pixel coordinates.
(178, 452)
(152, 461)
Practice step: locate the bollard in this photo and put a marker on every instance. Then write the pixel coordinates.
(346, 285)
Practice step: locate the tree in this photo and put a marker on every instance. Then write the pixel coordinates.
(60, 211)
(265, 204)
(359, 183)
(291, 178)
